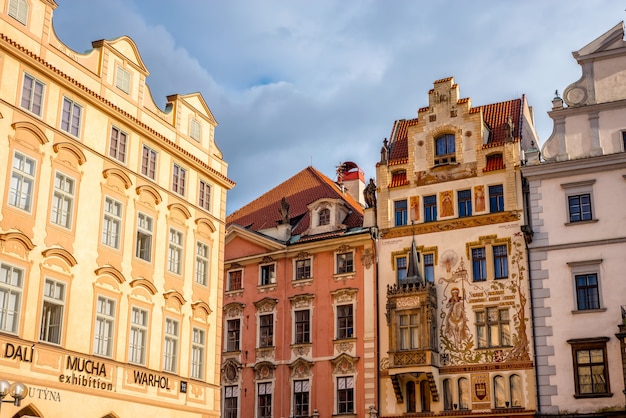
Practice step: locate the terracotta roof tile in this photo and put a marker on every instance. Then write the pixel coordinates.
(494, 162)
(398, 179)
(399, 140)
(300, 190)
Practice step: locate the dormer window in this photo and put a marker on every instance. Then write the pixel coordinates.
(18, 9)
(122, 80)
(445, 149)
(324, 217)
(195, 129)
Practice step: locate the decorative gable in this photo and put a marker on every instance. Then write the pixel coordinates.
(327, 215)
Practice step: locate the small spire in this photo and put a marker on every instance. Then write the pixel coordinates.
(413, 274)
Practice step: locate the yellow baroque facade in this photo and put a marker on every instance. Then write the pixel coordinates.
(111, 231)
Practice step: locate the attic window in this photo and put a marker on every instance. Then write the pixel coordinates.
(195, 130)
(445, 149)
(122, 80)
(18, 9)
(324, 217)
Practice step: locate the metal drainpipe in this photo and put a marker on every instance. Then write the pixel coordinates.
(375, 238)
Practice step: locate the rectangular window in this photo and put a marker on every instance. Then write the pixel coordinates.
(303, 326)
(401, 269)
(268, 274)
(62, 200)
(178, 179)
(112, 223)
(345, 263)
(11, 282)
(52, 311)
(464, 198)
(138, 336)
(496, 198)
(591, 371)
(233, 331)
(117, 146)
(18, 9)
(32, 95)
(479, 264)
(444, 145)
(202, 263)
(303, 269)
(493, 328)
(430, 208)
(408, 328)
(345, 395)
(266, 331)
(170, 345)
(301, 398)
(500, 261)
(264, 400)
(429, 267)
(22, 182)
(122, 79)
(105, 326)
(175, 252)
(143, 248)
(231, 397)
(197, 354)
(587, 293)
(624, 140)
(401, 212)
(204, 196)
(148, 162)
(70, 117)
(195, 129)
(344, 321)
(579, 207)
(235, 281)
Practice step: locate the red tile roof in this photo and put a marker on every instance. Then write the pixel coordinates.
(494, 162)
(300, 190)
(399, 151)
(398, 179)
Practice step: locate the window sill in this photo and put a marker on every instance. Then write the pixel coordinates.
(344, 276)
(593, 395)
(584, 311)
(590, 221)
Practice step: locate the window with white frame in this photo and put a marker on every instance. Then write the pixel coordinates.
(175, 252)
(148, 162)
(202, 263)
(268, 274)
(591, 368)
(170, 345)
(105, 326)
(117, 146)
(195, 129)
(303, 269)
(408, 331)
(233, 334)
(112, 223)
(18, 10)
(479, 264)
(493, 327)
(22, 182)
(264, 400)
(62, 200)
(52, 311)
(231, 398)
(500, 261)
(430, 208)
(122, 79)
(179, 175)
(496, 198)
(345, 321)
(345, 262)
(11, 289)
(323, 217)
(138, 336)
(464, 200)
(400, 212)
(32, 94)
(71, 116)
(204, 196)
(579, 197)
(301, 398)
(197, 353)
(345, 394)
(266, 330)
(235, 280)
(302, 319)
(143, 245)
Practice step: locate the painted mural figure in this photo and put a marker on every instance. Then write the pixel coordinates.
(479, 198)
(447, 209)
(415, 208)
(455, 327)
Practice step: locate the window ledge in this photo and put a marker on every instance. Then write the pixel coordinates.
(344, 276)
(237, 292)
(584, 311)
(593, 395)
(590, 221)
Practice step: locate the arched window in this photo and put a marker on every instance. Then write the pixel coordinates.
(18, 9)
(324, 217)
(410, 397)
(447, 395)
(499, 395)
(515, 385)
(464, 393)
(425, 395)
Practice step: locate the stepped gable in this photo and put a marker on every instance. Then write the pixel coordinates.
(300, 190)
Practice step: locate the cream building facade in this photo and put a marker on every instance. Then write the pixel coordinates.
(455, 334)
(577, 198)
(111, 231)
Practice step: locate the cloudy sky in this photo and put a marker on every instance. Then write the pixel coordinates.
(294, 83)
